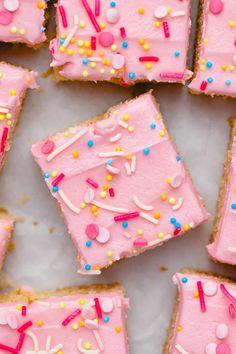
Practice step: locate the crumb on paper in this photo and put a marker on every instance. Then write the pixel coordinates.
(20, 218)
(35, 222)
(11, 247)
(163, 269)
(23, 199)
(51, 229)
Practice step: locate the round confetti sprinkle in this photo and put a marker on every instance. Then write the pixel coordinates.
(112, 15)
(223, 348)
(106, 39)
(5, 17)
(107, 305)
(103, 236)
(11, 5)
(209, 288)
(222, 331)
(161, 12)
(92, 231)
(211, 348)
(47, 147)
(118, 61)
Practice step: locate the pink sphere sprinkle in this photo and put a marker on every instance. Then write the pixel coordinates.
(223, 348)
(216, 7)
(5, 17)
(47, 147)
(106, 39)
(92, 231)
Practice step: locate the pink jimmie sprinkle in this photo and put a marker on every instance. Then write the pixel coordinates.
(232, 311)
(203, 85)
(135, 214)
(98, 308)
(122, 32)
(166, 29)
(8, 349)
(71, 317)
(25, 326)
(227, 294)
(97, 7)
(4, 139)
(92, 183)
(63, 16)
(111, 192)
(23, 310)
(155, 59)
(201, 296)
(57, 180)
(139, 243)
(178, 76)
(91, 15)
(93, 43)
(21, 341)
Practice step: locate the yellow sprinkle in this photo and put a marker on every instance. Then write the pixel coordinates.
(148, 66)
(109, 178)
(158, 117)
(39, 323)
(75, 154)
(205, 40)
(12, 92)
(179, 328)
(231, 24)
(157, 24)
(63, 36)
(93, 65)
(87, 44)
(22, 31)
(80, 43)
(82, 205)
(128, 157)
(102, 25)
(70, 51)
(118, 148)
(232, 68)
(130, 129)
(73, 40)
(141, 41)
(62, 49)
(82, 301)
(75, 326)
(60, 352)
(19, 307)
(162, 133)
(163, 197)
(125, 117)
(1, 74)
(202, 67)
(41, 5)
(102, 71)
(114, 47)
(186, 227)
(161, 235)
(110, 262)
(54, 174)
(62, 305)
(7, 227)
(94, 209)
(172, 201)
(87, 345)
(157, 215)
(2, 116)
(101, 53)
(203, 61)
(103, 194)
(81, 51)
(9, 122)
(135, 251)
(112, 71)
(66, 134)
(169, 9)
(89, 53)
(224, 67)
(118, 329)
(109, 253)
(141, 10)
(105, 187)
(82, 24)
(85, 73)
(13, 29)
(195, 294)
(81, 323)
(139, 232)
(146, 46)
(168, 180)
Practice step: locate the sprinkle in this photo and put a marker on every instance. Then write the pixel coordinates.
(97, 8)
(63, 16)
(98, 340)
(57, 180)
(133, 164)
(112, 169)
(23, 310)
(92, 183)
(123, 124)
(98, 308)
(141, 205)
(166, 29)
(227, 294)
(203, 86)
(71, 33)
(71, 317)
(201, 296)
(90, 143)
(111, 192)
(93, 43)
(177, 14)
(149, 58)
(149, 218)
(232, 311)
(21, 341)
(24, 327)
(109, 207)
(127, 168)
(139, 243)
(115, 138)
(91, 15)
(127, 216)
(127, 235)
(67, 144)
(181, 349)
(178, 205)
(89, 272)
(172, 76)
(66, 200)
(122, 32)
(111, 154)
(8, 349)
(3, 140)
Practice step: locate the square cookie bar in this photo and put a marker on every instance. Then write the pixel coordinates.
(223, 246)
(215, 56)
(14, 82)
(204, 317)
(123, 42)
(6, 227)
(88, 320)
(22, 21)
(120, 183)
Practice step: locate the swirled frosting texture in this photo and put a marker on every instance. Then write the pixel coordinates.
(120, 183)
(215, 73)
(122, 41)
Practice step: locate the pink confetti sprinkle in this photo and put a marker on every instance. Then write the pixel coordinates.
(23, 310)
(93, 43)
(97, 8)
(91, 15)
(4, 139)
(71, 317)
(98, 308)
(216, 6)
(6, 17)
(177, 231)
(92, 231)
(227, 294)
(122, 32)
(127, 216)
(203, 85)
(201, 296)
(223, 348)
(232, 311)
(63, 16)
(166, 29)
(172, 75)
(21, 341)
(25, 326)
(57, 180)
(139, 243)
(8, 349)
(150, 58)
(92, 183)
(47, 147)
(111, 192)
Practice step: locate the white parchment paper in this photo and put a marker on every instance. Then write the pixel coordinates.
(46, 260)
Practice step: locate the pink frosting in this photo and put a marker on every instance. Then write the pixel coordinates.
(14, 81)
(68, 324)
(148, 171)
(22, 21)
(216, 67)
(209, 332)
(223, 247)
(6, 226)
(127, 41)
